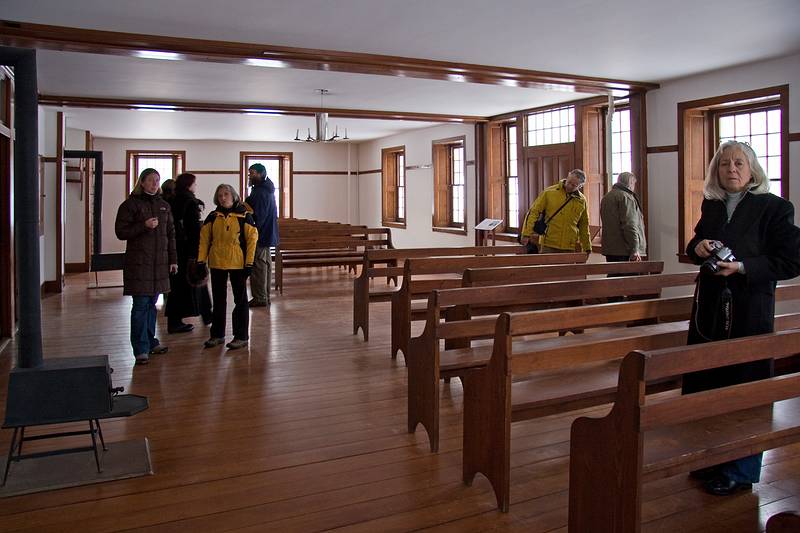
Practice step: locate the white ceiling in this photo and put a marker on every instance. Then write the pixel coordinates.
(637, 40)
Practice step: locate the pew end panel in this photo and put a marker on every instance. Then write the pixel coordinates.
(670, 435)
(488, 402)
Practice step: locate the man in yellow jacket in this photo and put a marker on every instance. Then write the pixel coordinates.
(564, 208)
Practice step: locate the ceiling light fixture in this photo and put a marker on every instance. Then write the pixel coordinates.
(271, 63)
(155, 54)
(321, 120)
(155, 107)
(263, 112)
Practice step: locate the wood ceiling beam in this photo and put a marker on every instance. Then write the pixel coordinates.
(23, 34)
(133, 103)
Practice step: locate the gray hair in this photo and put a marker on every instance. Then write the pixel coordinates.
(759, 184)
(580, 174)
(625, 179)
(234, 194)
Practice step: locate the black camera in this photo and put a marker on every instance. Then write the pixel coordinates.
(719, 253)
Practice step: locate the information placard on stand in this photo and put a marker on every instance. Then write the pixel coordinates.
(489, 225)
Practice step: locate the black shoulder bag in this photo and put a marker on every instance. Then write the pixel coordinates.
(540, 226)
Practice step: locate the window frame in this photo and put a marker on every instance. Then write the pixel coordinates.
(611, 175)
(390, 191)
(285, 183)
(507, 138)
(443, 186)
(755, 107)
(705, 107)
(131, 156)
(547, 112)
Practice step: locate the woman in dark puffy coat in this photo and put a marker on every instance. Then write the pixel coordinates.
(739, 299)
(144, 221)
(184, 299)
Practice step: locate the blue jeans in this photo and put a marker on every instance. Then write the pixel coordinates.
(744, 470)
(143, 324)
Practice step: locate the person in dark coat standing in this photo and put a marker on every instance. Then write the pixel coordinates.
(144, 221)
(184, 299)
(739, 300)
(265, 212)
(623, 223)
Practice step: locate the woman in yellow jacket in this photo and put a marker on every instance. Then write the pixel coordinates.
(568, 229)
(228, 244)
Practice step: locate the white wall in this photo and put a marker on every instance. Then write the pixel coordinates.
(48, 136)
(319, 196)
(419, 211)
(662, 129)
(74, 198)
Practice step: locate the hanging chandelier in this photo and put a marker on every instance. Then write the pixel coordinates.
(321, 120)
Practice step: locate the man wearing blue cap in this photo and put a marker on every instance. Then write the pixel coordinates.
(265, 211)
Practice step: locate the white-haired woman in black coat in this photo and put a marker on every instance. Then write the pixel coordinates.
(739, 299)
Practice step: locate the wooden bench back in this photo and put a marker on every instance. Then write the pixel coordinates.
(559, 291)
(644, 438)
(450, 270)
(457, 265)
(391, 257)
(475, 277)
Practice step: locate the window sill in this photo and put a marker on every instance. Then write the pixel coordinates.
(393, 224)
(454, 231)
(510, 237)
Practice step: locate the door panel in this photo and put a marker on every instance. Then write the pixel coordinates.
(545, 166)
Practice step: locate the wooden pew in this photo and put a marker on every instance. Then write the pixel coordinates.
(561, 374)
(363, 295)
(646, 438)
(330, 247)
(447, 273)
(427, 363)
(786, 522)
(480, 277)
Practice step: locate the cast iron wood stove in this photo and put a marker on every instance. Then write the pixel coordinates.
(73, 389)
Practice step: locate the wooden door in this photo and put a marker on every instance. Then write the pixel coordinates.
(545, 166)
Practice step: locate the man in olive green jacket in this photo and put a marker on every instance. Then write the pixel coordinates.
(564, 208)
(623, 223)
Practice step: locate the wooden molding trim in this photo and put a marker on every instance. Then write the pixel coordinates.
(794, 137)
(62, 38)
(129, 103)
(48, 159)
(60, 180)
(374, 171)
(662, 149)
(511, 115)
(323, 173)
(220, 172)
(453, 231)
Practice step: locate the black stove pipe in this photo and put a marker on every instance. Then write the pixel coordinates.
(26, 204)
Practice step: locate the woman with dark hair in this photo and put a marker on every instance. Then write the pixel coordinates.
(228, 244)
(184, 299)
(144, 221)
(735, 296)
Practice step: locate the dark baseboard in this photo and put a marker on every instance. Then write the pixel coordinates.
(50, 287)
(74, 268)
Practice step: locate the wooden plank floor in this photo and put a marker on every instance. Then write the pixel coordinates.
(306, 431)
